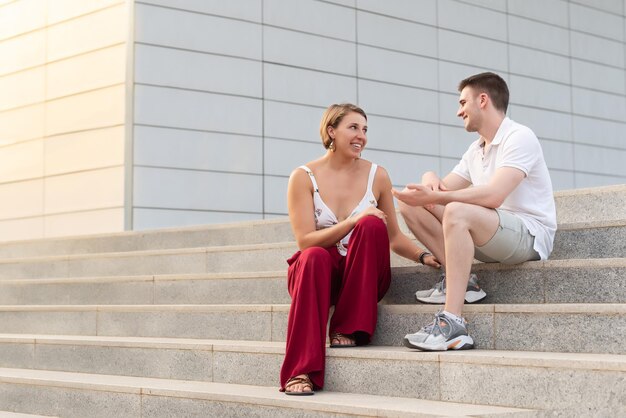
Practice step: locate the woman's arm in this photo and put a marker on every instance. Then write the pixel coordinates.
(400, 243)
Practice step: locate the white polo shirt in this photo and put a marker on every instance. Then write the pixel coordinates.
(532, 200)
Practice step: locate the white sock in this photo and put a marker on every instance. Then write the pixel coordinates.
(459, 320)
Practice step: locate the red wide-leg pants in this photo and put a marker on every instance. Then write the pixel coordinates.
(320, 277)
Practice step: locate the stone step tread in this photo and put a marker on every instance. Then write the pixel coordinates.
(7, 414)
(324, 401)
(190, 261)
(281, 274)
(235, 247)
(581, 361)
(555, 308)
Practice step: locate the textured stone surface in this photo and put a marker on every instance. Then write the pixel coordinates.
(238, 290)
(258, 258)
(198, 236)
(184, 324)
(77, 293)
(532, 387)
(188, 261)
(590, 243)
(594, 204)
(67, 402)
(173, 407)
(260, 369)
(383, 377)
(48, 322)
(17, 355)
(126, 361)
(34, 268)
(569, 333)
(587, 285)
(560, 281)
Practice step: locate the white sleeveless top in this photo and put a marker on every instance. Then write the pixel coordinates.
(324, 217)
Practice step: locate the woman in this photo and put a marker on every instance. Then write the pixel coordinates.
(344, 221)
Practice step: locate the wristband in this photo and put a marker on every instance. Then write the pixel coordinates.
(422, 255)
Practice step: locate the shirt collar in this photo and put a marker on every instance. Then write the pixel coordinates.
(504, 126)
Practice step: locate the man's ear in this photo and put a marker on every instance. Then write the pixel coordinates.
(483, 99)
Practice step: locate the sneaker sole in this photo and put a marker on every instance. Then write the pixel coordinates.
(463, 342)
(470, 297)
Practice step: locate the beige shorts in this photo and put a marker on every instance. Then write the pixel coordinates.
(511, 244)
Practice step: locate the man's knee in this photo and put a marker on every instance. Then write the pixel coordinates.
(456, 214)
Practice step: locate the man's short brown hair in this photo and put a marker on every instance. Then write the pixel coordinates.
(489, 83)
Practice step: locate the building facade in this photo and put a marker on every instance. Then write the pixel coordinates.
(142, 114)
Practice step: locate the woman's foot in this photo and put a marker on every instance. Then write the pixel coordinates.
(299, 386)
(339, 340)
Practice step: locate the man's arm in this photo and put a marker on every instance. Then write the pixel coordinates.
(450, 182)
(491, 195)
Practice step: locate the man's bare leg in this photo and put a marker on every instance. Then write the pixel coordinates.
(464, 226)
(426, 226)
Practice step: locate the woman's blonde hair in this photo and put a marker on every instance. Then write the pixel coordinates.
(333, 116)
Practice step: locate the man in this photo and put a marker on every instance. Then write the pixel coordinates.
(496, 205)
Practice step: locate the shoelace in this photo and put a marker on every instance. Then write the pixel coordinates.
(436, 324)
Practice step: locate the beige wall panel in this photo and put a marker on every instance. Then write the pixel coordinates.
(91, 222)
(21, 161)
(22, 124)
(22, 199)
(22, 16)
(60, 10)
(88, 33)
(96, 109)
(85, 191)
(19, 229)
(28, 50)
(84, 150)
(22, 88)
(90, 71)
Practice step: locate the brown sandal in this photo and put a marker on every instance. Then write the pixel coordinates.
(297, 381)
(337, 336)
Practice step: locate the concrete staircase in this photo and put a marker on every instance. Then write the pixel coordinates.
(191, 322)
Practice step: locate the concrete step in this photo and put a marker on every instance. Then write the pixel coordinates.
(218, 288)
(510, 378)
(590, 240)
(258, 257)
(80, 395)
(584, 328)
(581, 208)
(604, 242)
(553, 281)
(7, 414)
(240, 233)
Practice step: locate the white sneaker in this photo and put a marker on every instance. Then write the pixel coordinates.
(437, 295)
(443, 334)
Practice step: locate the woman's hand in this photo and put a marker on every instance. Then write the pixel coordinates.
(431, 260)
(371, 211)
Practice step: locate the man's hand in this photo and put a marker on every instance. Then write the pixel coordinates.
(432, 181)
(416, 195)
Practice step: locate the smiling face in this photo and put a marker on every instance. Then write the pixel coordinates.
(350, 135)
(470, 105)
